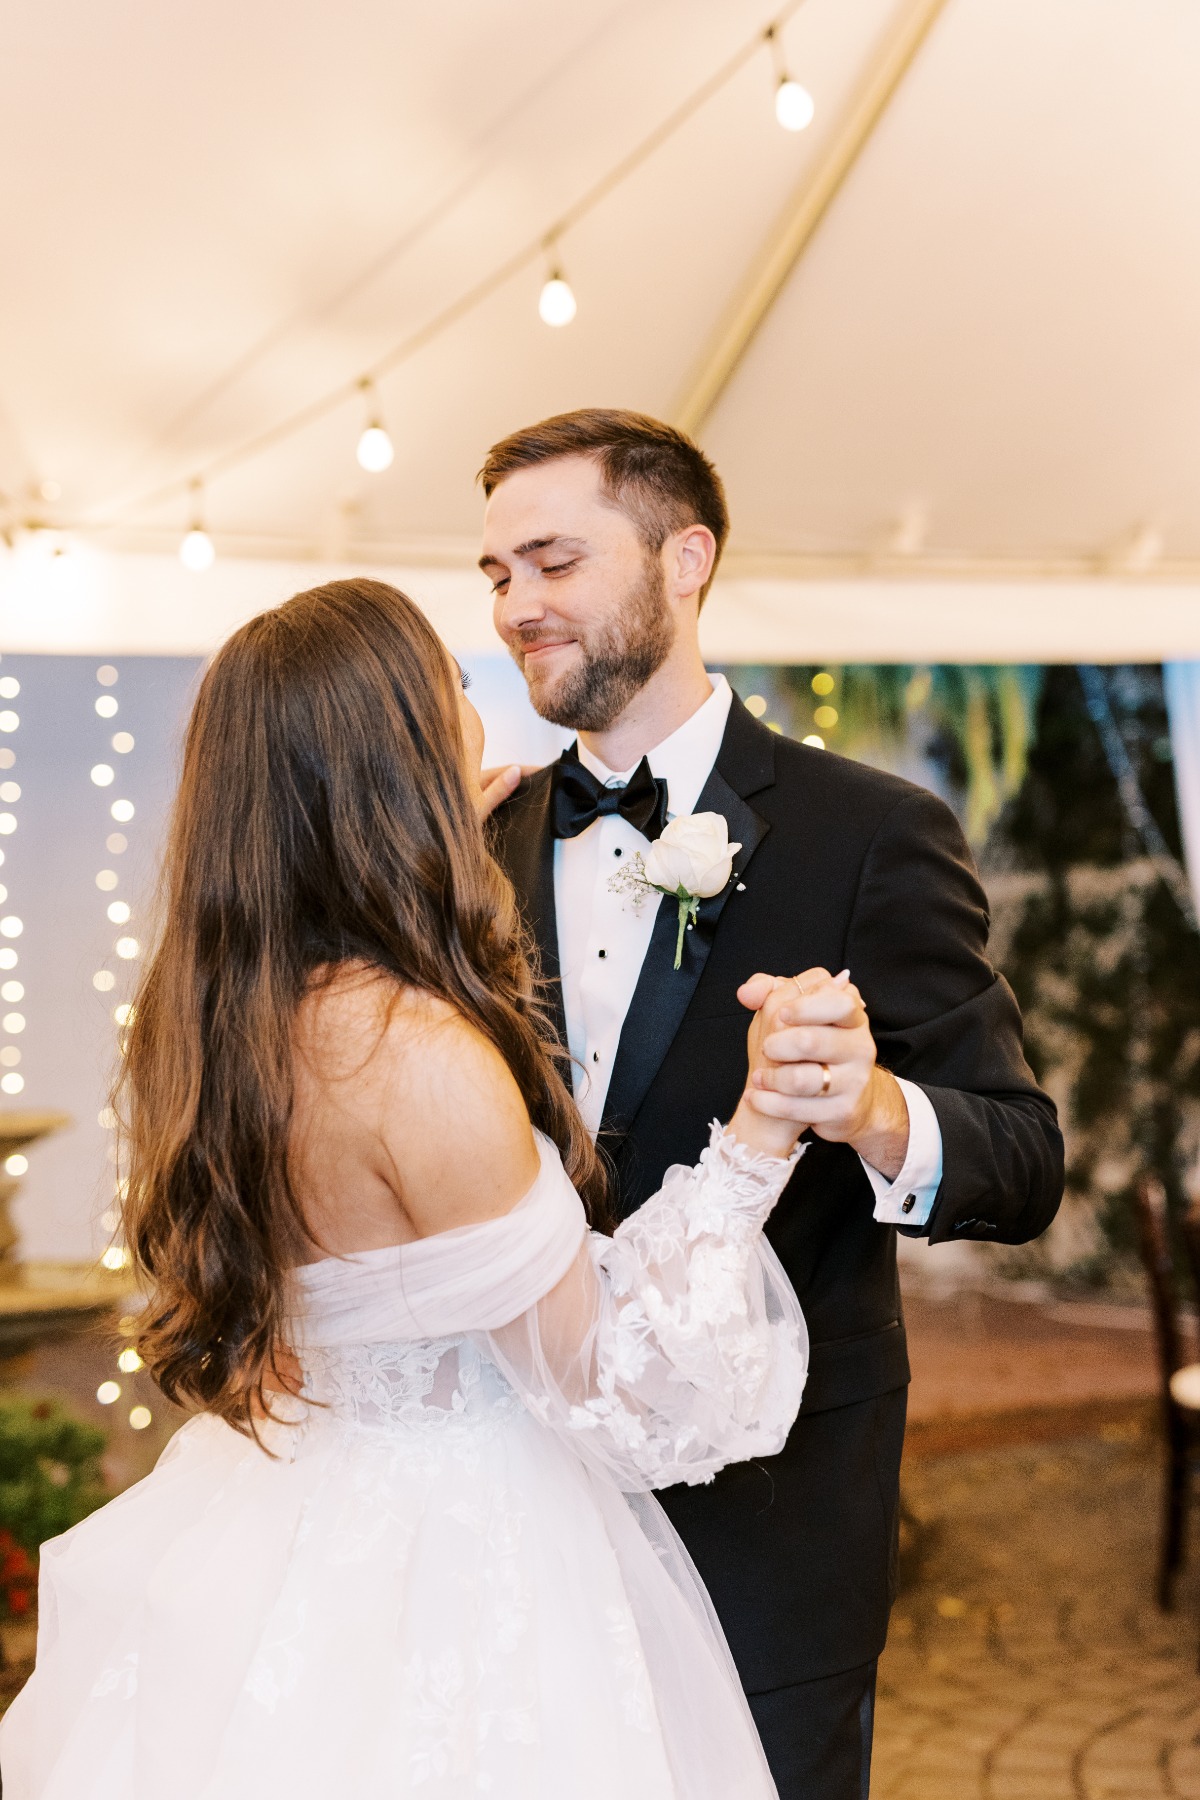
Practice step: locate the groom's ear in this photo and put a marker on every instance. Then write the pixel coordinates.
(691, 558)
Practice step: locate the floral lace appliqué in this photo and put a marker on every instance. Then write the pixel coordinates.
(423, 1385)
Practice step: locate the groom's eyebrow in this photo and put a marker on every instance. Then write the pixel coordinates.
(532, 544)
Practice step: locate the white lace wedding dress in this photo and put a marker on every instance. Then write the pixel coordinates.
(453, 1581)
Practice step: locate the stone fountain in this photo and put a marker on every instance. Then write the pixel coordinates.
(41, 1301)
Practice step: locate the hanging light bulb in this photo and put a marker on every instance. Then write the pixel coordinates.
(556, 302)
(794, 105)
(375, 452)
(196, 552)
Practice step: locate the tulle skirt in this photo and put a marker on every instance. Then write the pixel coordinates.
(456, 1612)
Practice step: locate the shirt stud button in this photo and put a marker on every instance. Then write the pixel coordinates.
(602, 953)
(595, 1056)
(907, 1204)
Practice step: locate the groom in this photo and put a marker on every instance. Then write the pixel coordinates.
(602, 534)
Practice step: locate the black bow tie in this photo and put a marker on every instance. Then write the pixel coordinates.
(577, 798)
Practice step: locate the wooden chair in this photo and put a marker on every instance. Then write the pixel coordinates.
(1180, 1377)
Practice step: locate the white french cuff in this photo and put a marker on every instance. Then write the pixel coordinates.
(909, 1199)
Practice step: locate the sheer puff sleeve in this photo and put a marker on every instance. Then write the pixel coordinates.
(677, 1345)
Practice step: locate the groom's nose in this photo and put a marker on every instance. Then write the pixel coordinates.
(518, 607)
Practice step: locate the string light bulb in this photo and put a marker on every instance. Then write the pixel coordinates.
(196, 552)
(556, 302)
(375, 452)
(794, 105)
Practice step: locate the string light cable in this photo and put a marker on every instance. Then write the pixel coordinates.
(118, 912)
(375, 452)
(534, 250)
(125, 951)
(556, 302)
(196, 551)
(12, 989)
(438, 210)
(795, 108)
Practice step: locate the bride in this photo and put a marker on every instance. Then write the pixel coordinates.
(406, 1544)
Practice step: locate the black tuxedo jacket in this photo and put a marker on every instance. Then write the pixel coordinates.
(844, 867)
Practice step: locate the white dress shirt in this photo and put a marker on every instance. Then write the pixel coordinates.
(603, 937)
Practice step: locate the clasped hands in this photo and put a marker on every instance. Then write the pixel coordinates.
(813, 1063)
(812, 1055)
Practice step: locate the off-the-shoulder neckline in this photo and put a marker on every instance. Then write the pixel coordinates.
(547, 1154)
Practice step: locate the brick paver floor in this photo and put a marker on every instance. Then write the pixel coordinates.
(1027, 1660)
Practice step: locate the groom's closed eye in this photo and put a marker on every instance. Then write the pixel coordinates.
(501, 582)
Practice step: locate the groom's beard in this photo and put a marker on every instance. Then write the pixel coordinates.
(615, 661)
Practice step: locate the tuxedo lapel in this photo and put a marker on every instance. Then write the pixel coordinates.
(745, 765)
(529, 860)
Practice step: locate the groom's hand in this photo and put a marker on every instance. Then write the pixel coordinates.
(821, 1040)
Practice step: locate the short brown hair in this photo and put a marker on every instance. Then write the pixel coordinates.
(654, 473)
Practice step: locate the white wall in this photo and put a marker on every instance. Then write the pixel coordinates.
(106, 603)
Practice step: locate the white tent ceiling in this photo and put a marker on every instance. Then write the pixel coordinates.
(981, 363)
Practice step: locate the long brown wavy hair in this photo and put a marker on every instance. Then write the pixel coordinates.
(324, 817)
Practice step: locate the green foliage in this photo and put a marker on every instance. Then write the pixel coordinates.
(975, 722)
(49, 1470)
(1105, 967)
(1069, 811)
(1103, 962)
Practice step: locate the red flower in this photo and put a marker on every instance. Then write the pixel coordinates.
(18, 1601)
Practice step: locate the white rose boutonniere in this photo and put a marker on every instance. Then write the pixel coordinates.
(691, 861)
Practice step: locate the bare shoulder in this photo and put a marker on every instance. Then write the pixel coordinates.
(451, 1118)
(432, 1090)
(341, 1019)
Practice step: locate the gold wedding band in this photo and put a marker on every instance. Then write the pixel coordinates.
(825, 1080)
(799, 984)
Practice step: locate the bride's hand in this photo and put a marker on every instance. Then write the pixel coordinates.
(765, 995)
(495, 785)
